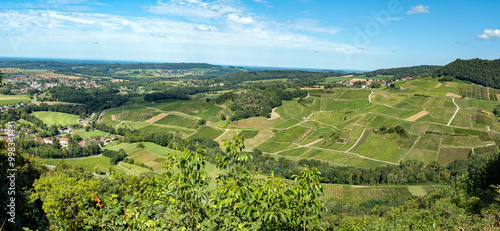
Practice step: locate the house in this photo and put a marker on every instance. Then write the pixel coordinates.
(86, 122)
(47, 141)
(40, 139)
(63, 141)
(84, 143)
(102, 138)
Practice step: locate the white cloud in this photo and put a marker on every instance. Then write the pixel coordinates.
(86, 28)
(418, 9)
(193, 8)
(238, 19)
(489, 34)
(263, 2)
(203, 28)
(311, 25)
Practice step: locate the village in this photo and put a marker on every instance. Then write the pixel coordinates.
(24, 82)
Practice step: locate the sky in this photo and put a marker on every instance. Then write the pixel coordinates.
(324, 34)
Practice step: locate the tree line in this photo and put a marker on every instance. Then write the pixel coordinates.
(93, 99)
(479, 71)
(401, 72)
(259, 100)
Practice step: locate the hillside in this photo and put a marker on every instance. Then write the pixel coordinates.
(400, 72)
(479, 71)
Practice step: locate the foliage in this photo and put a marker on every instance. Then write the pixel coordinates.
(299, 77)
(479, 71)
(64, 204)
(259, 101)
(93, 99)
(181, 199)
(400, 72)
(28, 213)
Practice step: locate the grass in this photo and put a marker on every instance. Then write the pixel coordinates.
(13, 100)
(207, 132)
(86, 135)
(381, 148)
(364, 193)
(87, 163)
(54, 118)
(447, 154)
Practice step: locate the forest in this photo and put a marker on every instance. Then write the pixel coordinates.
(108, 69)
(259, 100)
(94, 100)
(478, 71)
(401, 72)
(296, 76)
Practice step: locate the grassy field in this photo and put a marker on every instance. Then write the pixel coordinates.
(91, 134)
(88, 163)
(54, 118)
(364, 193)
(423, 107)
(14, 99)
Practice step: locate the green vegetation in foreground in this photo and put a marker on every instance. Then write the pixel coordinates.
(56, 118)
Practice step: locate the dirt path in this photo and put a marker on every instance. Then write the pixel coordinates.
(458, 108)
(361, 136)
(312, 143)
(126, 169)
(274, 114)
(222, 134)
(453, 95)
(156, 118)
(417, 116)
(370, 97)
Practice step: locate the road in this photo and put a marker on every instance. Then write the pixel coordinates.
(120, 165)
(458, 108)
(361, 136)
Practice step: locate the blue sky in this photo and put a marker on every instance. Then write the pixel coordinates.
(329, 34)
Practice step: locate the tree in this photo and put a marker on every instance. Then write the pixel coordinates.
(77, 137)
(56, 143)
(202, 122)
(376, 84)
(98, 169)
(65, 197)
(1, 77)
(140, 145)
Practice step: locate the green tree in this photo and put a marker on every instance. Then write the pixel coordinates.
(140, 145)
(97, 169)
(376, 84)
(65, 198)
(77, 137)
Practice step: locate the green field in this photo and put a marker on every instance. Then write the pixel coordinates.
(91, 134)
(14, 99)
(305, 130)
(88, 163)
(54, 118)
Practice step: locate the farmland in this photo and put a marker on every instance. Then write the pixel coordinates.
(54, 118)
(14, 99)
(305, 130)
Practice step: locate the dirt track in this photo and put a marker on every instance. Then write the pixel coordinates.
(417, 116)
(453, 95)
(156, 118)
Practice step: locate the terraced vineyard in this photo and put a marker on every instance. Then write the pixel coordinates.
(340, 125)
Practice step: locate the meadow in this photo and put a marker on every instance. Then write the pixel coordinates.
(58, 118)
(423, 107)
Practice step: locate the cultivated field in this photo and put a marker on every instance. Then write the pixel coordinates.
(54, 118)
(306, 130)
